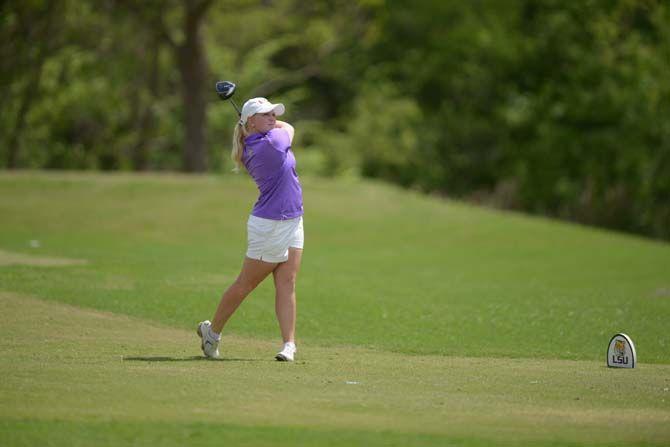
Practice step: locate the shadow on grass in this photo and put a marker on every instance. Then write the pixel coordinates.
(187, 359)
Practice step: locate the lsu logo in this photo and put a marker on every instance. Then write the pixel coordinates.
(620, 347)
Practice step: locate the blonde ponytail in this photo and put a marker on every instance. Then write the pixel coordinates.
(239, 134)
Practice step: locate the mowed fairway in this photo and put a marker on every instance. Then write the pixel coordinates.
(421, 322)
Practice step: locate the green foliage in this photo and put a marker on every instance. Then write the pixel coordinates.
(594, 127)
(383, 131)
(546, 106)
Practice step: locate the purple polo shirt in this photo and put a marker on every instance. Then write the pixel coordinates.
(271, 163)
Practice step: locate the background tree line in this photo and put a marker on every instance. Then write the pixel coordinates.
(552, 107)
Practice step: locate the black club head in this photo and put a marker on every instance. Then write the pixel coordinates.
(225, 89)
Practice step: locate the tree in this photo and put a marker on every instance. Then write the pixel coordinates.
(26, 41)
(192, 62)
(190, 56)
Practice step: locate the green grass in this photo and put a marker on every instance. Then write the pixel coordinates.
(461, 325)
(109, 379)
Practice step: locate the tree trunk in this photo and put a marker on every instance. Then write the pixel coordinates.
(192, 62)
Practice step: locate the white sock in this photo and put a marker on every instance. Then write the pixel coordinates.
(214, 335)
(290, 343)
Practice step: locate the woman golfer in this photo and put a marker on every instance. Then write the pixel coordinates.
(274, 229)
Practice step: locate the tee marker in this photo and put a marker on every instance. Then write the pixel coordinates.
(621, 352)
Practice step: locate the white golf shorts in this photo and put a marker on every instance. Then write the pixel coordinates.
(269, 240)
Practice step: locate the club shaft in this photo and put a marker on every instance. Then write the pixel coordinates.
(236, 108)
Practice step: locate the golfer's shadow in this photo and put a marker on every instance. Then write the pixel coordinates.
(194, 358)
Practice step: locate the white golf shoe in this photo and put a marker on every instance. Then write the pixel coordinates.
(209, 344)
(288, 353)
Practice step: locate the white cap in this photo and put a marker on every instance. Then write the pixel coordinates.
(259, 105)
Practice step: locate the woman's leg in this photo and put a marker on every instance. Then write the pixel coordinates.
(253, 272)
(285, 306)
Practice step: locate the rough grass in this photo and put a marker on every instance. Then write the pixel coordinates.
(460, 326)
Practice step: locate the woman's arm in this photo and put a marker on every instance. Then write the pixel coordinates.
(286, 126)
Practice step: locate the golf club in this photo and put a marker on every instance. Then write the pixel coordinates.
(225, 90)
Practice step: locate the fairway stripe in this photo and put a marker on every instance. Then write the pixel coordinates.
(13, 258)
